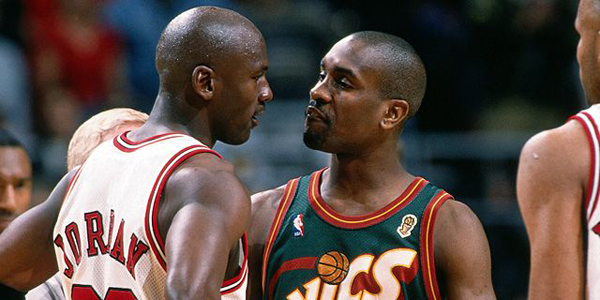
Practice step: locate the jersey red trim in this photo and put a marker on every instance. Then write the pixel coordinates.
(72, 184)
(284, 204)
(231, 285)
(595, 126)
(151, 222)
(152, 138)
(301, 263)
(427, 258)
(355, 222)
(588, 134)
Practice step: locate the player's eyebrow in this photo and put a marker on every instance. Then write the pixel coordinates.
(342, 70)
(339, 69)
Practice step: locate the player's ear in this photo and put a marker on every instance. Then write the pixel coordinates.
(203, 81)
(396, 112)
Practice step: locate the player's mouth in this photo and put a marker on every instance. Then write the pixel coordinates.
(6, 219)
(313, 113)
(258, 112)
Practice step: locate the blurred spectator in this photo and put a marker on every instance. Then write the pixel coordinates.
(15, 96)
(15, 179)
(73, 50)
(76, 70)
(15, 105)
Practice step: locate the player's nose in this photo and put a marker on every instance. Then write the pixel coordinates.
(8, 198)
(320, 93)
(265, 94)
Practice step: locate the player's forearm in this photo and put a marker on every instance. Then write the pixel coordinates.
(547, 285)
(26, 253)
(552, 261)
(176, 292)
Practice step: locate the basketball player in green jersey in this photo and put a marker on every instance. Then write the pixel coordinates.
(365, 228)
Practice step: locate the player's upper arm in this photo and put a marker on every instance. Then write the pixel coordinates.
(213, 212)
(553, 170)
(462, 253)
(26, 246)
(264, 207)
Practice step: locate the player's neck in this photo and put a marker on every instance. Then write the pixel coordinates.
(356, 189)
(167, 116)
(364, 171)
(378, 172)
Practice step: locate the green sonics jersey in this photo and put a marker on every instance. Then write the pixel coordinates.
(313, 252)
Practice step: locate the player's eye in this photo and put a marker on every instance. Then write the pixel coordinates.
(321, 76)
(259, 76)
(342, 83)
(22, 183)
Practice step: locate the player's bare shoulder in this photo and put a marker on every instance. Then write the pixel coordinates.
(462, 253)
(455, 216)
(558, 154)
(264, 207)
(208, 180)
(267, 201)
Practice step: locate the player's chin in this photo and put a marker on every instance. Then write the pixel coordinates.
(313, 140)
(238, 138)
(4, 224)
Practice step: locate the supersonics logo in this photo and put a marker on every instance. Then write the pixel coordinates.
(364, 277)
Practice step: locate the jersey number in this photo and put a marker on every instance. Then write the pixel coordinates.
(87, 292)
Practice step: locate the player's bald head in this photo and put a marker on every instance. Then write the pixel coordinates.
(203, 35)
(401, 72)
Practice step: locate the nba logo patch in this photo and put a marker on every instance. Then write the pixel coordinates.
(298, 225)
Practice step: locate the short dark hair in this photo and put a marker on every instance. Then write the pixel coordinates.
(7, 139)
(403, 73)
(204, 35)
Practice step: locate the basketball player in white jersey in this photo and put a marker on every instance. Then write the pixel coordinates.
(558, 182)
(155, 213)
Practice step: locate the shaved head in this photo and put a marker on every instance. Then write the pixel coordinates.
(202, 36)
(401, 71)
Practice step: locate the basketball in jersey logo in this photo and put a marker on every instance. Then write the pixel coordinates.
(298, 225)
(408, 223)
(333, 267)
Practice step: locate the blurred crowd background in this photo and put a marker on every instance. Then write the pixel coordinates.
(498, 71)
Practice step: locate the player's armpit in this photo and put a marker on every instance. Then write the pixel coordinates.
(553, 170)
(26, 246)
(215, 213)
(462, 253)
(264, 207)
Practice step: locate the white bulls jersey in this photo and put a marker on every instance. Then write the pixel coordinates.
(590, 119)
(106, 237)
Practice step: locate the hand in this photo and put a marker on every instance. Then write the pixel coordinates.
(588, 16)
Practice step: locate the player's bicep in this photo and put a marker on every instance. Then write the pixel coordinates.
(202, 234)
(548, 184)
(462, 253)
(26, 246)
(550, 191)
